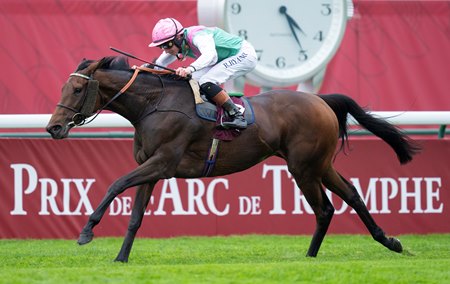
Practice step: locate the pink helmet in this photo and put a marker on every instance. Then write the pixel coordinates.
(165, 30)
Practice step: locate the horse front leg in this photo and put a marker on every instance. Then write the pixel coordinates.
(143, 194)
(114, 190)
(145, 173)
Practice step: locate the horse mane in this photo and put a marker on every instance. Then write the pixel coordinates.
(121, 63)
(114, 63)
(110, 62)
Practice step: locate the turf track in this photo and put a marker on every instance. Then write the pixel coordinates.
(236, 259)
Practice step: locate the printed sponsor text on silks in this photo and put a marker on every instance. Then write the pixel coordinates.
(235, 61)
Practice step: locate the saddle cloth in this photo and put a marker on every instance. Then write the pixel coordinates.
(209, 111)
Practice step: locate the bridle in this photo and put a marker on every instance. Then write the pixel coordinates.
(87, 106)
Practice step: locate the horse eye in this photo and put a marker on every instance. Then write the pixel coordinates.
(77, 91)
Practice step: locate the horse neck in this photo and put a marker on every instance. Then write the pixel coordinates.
(144, 95)
(129, 104)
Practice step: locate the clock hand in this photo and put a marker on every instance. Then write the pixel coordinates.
(295, 34)
(290, 19)
(292, 23)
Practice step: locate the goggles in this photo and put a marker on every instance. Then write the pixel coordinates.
(166, 45)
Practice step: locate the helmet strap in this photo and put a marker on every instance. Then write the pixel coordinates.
(183, 47)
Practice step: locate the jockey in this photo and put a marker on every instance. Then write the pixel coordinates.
(220, 57)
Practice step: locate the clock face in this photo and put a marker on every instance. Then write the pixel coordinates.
(294, 39)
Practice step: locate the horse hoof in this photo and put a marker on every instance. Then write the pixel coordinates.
(121, 260)
(85, 238)
(396, 245)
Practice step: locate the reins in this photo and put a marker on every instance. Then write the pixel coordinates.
(155, 108)
(123, 90)
(79, 118)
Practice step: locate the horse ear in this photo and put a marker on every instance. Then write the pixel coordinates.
(95, 65)
(107, 62)
(103, 62)
(84, 64)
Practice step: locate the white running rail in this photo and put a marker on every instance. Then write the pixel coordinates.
(107, 120)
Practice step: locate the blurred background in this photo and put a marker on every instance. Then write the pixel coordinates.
(394, 54)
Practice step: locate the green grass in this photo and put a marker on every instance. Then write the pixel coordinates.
(236, 259)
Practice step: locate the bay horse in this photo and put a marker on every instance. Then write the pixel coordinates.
(170, 140)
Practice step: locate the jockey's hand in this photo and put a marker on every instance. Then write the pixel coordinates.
(183, 72)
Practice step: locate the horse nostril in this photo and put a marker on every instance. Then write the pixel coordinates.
(54, 129)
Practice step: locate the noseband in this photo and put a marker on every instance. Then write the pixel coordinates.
(87, 107)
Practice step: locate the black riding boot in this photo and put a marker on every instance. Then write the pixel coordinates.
(237, 119)
(221, 98)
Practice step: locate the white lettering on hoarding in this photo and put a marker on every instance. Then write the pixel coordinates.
(433, 186)
(49, 192)
(277, 171)
(170, 192)
(120, 206)
(197, 193)
(250, 205)
(379, 190)
(382, 195)
(210, 197)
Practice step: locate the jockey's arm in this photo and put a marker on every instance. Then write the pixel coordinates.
(164, 59)
(207, 47)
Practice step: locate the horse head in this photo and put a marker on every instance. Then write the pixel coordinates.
(80, 97)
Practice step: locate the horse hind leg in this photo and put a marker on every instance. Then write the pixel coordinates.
(322, 207)
(345, 190)
(143, 194)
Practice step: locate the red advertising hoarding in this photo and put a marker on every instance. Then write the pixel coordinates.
(49, 188)
(392, 57)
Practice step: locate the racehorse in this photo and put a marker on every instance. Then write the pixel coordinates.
(170, 140)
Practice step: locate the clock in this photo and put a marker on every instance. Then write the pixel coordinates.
(294, 39)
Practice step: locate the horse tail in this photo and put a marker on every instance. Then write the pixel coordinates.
(404, 147)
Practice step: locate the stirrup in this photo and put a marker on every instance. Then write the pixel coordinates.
(238, 122)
